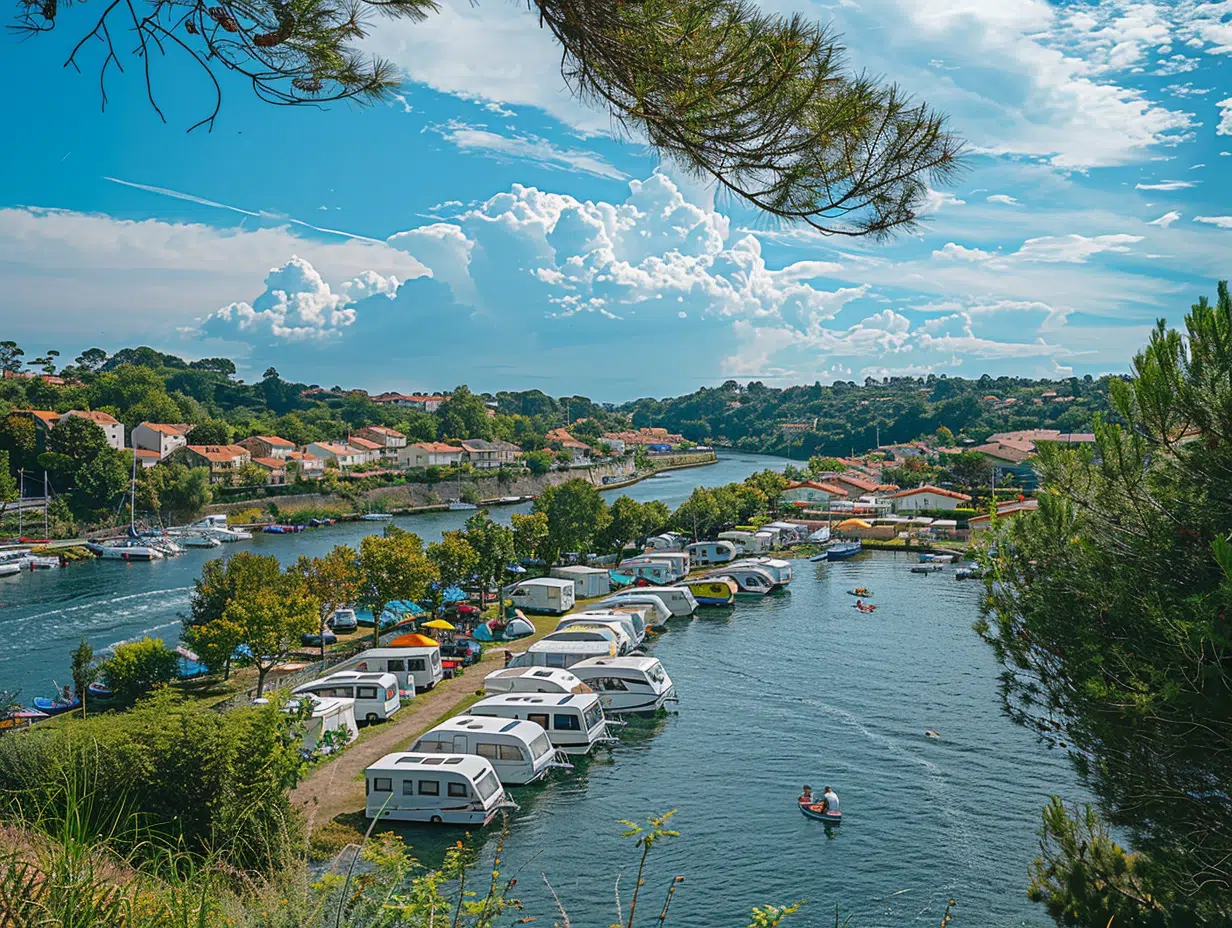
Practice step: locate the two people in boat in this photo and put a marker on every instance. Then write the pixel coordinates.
(863, 608)
(828, 803)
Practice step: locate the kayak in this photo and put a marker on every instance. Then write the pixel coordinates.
(814, 812)
(860, 592)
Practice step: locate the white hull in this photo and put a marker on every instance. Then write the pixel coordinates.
(458, 507)
(8, 570)
(636, 703)
(126, 552)
(200, 541)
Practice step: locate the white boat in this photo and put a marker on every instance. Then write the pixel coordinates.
(457, 789)
(199, 540)
(456, 505)
(34, 562)
(519, 752)
(511, 499)
(779, 570)
(627, 685)
(9, 568)
(164, 543)
(215, 526)
(751, 580)
(376, 516)
(125, 549)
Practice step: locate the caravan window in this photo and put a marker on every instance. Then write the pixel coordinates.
(416, 663)
(656, 673)
(566, 723)
(486, 785)
(458, 790)
(366, 692)
(397, 665)
(436, 658)
(429, 787)
(541, 745)
(408, 787)
(511, 752)
(555, 660)
(540, 720)
(488, 750)
(592, 716)
(383, 784)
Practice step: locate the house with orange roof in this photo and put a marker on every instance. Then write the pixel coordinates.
(430, 454)
(807, 493)
(223, 461)
(110, 425)
(928, 497)
(340, 454)
(275, 470)
(389, 440)
(146, 458)
(310, 467)
(160, 437)
(578, 451)
(421, 402)
(372, 450)
(1005, 510)
(268, 446)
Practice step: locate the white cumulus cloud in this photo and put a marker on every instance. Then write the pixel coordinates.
(1166, 219)
(1224, 222)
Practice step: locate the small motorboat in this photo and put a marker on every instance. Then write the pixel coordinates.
(866, 607)
(860, 591)
(98, 690)
(9, 569)
(926, 569)
(65, 702)
(968, 573)
(840, 551)
(936, 558)
(379, 516)
(816, 812)
(199, 540)
(931, 733)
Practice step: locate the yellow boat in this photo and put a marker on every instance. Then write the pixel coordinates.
(715, 591)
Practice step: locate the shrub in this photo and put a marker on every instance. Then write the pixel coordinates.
(137, 667)
(244, 517)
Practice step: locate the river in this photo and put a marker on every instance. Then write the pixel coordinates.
(794, 688)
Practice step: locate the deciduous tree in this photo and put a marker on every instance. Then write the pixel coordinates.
(454, 558)
(137, 667)
(392, 566)
(530, 531)
(576, 514)
(332, 579)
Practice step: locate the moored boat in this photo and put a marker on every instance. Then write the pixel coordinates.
(751, 581)
(456, 505)
(380, 516)
(125, 549)
(9, 568)
(65, 702)
(936, 558)
(926, 569)
(98, 690)
(841, 550)
(714, 591)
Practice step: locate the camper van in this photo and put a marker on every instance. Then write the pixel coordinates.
(668, 541)
(655, 611)
(746, 542)
(375, 694)
(562, 654)
(779, 570)
(588, 582)
(594, 631)
(789, 532)
(450, 789)
(519, 752)
(574, 722)
(632, 617)
(628, 637)
(712, 552)
(550, 595)
(532, 680)
(417, 669)
(679, 600)
(627, 685)
(752, 581)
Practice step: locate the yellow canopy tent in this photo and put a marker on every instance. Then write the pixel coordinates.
(439, 624)
(851, 523)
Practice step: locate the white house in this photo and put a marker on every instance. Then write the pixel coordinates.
(810, 493)
(310, 466)
(430, 454)
(489, 455)
(372, 450)
(268, 446)
(616, 444)
(109, 424)
(928, 497)
(390, 440)
(160, 437)
(342, 455)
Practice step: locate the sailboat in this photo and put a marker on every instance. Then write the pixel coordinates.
(132, 547)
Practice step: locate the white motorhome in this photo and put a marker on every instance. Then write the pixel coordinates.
(588, 582)
(678, 600)
(747, 542)
(750, 580)
(661, 568)
(450, 789)
(627, 685)
(622, 623)
(594, 631)
(375, 694)
(416, 668)
(779, 570)
(668, 541)
(656, 611)
(562, 654)
(702, 553)
(789, 532)
(532, 680)
(520, 752)
(574, 722)
(632, 618)
(329, 714)
(550, 595)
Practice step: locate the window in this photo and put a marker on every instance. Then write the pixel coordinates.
(366, 692)
(556, 660)
(541, 745)
(458, 790)
(416, 663)
(408, 787)
(485, 786)
(612, 684)
(383, 784)
(398, 665)
(566, 723)
(429, 788)
(593, 716)
(487, 750)
(511, 752)
(540, 720)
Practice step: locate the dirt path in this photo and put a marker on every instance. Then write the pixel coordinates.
(337, 787)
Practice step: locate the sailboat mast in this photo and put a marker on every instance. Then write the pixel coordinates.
(132, 499)
(46, 501)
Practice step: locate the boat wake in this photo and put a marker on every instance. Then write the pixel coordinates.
(176, 596)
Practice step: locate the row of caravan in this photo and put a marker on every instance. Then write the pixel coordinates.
(531, 722)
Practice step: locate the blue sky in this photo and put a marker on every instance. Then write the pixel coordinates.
(484, 227)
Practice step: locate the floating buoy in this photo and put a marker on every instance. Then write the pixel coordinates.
(931, 733)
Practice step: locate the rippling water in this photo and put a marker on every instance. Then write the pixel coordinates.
(803, 688)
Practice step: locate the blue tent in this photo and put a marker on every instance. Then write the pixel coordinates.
(516, 569)
(482, 632)
(453, 594)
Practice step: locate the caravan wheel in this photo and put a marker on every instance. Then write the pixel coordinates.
(436, 820)
(372, 718)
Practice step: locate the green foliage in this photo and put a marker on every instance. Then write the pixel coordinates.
(530, 532)
(83, 670)
(494, 548)
(454, 558)
(967, 469)
(333, 580)
(99, 483)
(176, 492)
(538, 462)
(576, 515)
(1109, 611)
(77, 438)
(392, 566)
(463, 415)
(211, 432)
(821, 464)
(137, 667)
(8, 485)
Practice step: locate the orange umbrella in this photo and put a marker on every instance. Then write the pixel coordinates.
(413, 641)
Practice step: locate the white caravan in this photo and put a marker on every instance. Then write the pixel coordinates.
(779, 570)
(702, 553)
(657, 615)
(519, 752)
(750, 580)
(633, 618)
(747, 542)
(614, 620)
(562, 654)
(532, 680)
(416, 668)
(651, 569)
(375, 694)
(550, 595)
(679, 600)
(588, 582)
(450, 789)
(627, 685)
(594, 631)
(328, 715)
(574, 722)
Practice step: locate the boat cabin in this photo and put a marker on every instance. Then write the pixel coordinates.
(375, 694)
(562, 654)
(712, 552)
(532, 680)
(417, 668)
(574, 722)
(627, 685)
(550, 595)
(520, 752)
(450, 789)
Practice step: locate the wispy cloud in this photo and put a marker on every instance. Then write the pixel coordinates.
(1166, 219)
(1224, 222)
(260, 214)
(1168, 185)
(1004, 199)
(528, 148)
